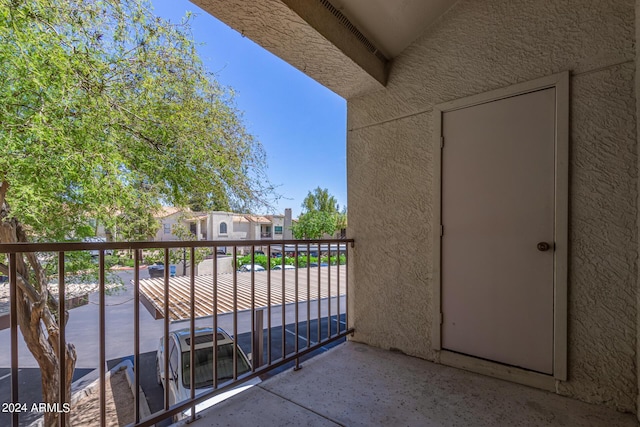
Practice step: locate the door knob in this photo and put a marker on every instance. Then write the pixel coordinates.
(543, 246)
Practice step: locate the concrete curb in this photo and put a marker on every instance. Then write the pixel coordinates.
(95, 385)
(127, 365)
(144, 405)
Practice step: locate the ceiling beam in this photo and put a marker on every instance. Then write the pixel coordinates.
(307, 35)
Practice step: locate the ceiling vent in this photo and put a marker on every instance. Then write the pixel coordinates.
(344, 21)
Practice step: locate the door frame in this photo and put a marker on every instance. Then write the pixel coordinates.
(560, 82)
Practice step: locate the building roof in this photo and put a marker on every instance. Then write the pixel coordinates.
(166, 211)
(196, 216)
(258, 218)
(321, 286)
(271, 217)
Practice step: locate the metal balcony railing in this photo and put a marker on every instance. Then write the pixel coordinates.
(313, 290)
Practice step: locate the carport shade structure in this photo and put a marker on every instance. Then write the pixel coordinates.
(152, 291)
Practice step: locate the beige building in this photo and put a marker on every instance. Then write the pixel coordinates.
(507, 131)
(233, 226)
(223, 225)
(169, 218)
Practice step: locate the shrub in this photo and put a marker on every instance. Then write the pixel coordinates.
(258, 259)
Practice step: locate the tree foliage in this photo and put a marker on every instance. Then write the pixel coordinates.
(106, 112)
(320, 200)
(101, 99)
(262, 260)
(206, 202)
(321, 215)
(314, 225)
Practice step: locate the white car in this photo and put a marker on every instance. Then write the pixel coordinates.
(285, 267)
(254, 267)
(179, 378)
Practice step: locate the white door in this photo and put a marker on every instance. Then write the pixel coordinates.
(497, 248)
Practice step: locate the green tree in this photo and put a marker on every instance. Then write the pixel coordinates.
(205, 202)
(321, 215)
(183, 232)
(320, 200)
(106, 111)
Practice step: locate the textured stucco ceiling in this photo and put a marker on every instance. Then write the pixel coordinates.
(313, 36)
(348, 70)
(392, 24)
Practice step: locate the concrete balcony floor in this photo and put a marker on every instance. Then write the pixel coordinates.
(357, 385)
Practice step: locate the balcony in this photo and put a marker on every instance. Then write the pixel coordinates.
(350, 384)
(277, 317)
(265, 235)
(358, 385)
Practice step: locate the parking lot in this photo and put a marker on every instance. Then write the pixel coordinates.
(82, 331)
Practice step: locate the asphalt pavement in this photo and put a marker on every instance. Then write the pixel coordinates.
(147, 361)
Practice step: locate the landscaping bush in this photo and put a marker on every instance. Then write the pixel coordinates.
(261, 259)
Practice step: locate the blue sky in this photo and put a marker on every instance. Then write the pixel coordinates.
(300, 123)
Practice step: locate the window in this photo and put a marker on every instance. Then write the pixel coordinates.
(277, 229)
(167, 228)
(223, 228)
(204, 365)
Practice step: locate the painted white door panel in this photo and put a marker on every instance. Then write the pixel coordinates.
(497, 204)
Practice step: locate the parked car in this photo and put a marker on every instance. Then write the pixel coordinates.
(315, 264)
(285, 267)
(254, 267)
(179, 378)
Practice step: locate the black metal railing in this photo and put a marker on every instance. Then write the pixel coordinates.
(315, 282)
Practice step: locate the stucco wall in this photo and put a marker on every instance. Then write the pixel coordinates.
(170, 220)
(277, 221)
(474, 48)
(236, 229)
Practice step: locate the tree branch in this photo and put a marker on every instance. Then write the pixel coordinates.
(140, 135)
(31, 294)
(3, 192)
